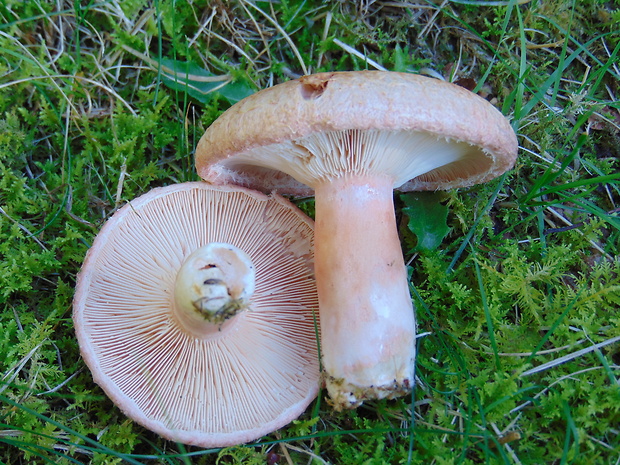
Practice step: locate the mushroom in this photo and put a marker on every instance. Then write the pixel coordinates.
(350, 138)
(195, 312)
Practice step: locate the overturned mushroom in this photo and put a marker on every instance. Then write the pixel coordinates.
(350, 138)
(195, 311)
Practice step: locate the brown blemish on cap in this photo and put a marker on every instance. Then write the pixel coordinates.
(313, 86)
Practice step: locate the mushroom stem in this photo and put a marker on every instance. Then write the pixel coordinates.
(213, 285)
(367, 317)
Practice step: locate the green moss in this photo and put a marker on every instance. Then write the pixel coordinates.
(513, 284)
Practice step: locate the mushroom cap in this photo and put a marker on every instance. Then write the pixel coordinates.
(252, 377)
(414, 122)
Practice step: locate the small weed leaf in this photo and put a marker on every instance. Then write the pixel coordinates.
(199, 83)
(427, 219)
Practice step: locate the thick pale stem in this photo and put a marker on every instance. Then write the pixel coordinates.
(213, 285)
(367, 317)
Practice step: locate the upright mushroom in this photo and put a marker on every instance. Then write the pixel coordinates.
(351, 138)
(195, 311)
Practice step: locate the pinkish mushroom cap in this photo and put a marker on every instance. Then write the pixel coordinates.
(225, 360)
(422, 133)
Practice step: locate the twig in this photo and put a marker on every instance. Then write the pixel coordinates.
(567, 358)
(572, 226)
(121, 182)
(56, 388)
(17, 368)
(359, 55)
(23, 228)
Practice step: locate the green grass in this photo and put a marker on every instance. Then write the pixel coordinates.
(518, 294)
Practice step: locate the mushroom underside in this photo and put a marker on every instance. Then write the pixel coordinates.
(409, 158)
(227, 386)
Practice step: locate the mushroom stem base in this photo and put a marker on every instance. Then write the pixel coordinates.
(344, 395)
